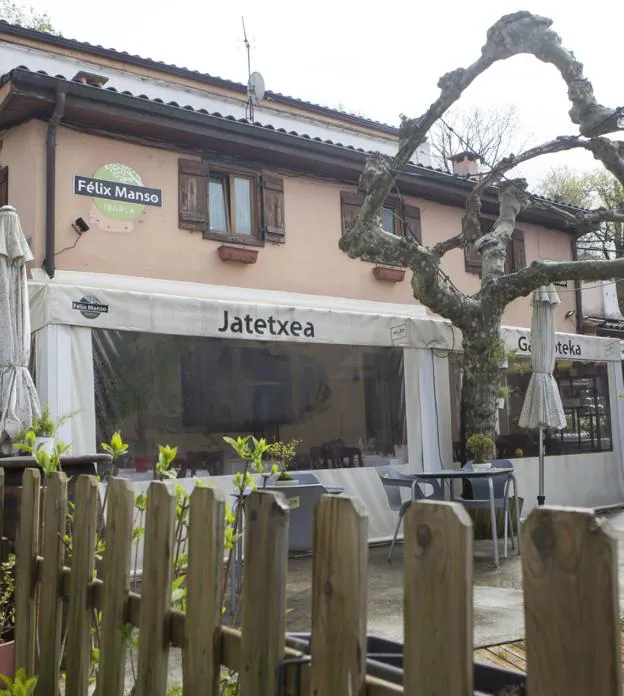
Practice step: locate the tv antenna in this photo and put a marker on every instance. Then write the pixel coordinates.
(255, 81)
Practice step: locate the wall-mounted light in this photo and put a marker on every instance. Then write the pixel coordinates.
(80, 226)
(570, 313)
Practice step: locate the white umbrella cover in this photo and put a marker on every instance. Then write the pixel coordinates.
(18, 397)
(542, 406)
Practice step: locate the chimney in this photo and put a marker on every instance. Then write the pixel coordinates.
(465, 164)
(87, 78)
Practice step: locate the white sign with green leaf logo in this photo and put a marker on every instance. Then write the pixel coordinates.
(119, 196)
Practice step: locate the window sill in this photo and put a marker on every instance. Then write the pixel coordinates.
(237, 254)
(233, 238)
(391, 274)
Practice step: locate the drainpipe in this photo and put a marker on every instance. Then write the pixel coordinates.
(578, 293)
(57, 115)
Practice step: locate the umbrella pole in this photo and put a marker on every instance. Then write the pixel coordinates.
(540, 495)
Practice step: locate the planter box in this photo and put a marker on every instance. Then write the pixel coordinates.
(7, 659)
(237, 254)
(389, 274)
(384, 660)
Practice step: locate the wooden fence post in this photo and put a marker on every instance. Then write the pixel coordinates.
(26, 572)
(1, 512)
(79, 618)
(339, 589)
(264, 592)
(201, 657)
(50, 603)
(116, 568)
(438, 600)
(572, 618)
(156, 591)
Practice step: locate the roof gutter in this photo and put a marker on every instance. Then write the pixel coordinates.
(50, 230)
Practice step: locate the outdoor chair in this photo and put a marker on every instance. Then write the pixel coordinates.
(480, 498)
(393, 480)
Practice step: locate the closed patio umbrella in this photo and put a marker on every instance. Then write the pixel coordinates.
(18, 396)
(542, 406)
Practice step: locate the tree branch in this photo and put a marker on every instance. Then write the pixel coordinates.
(566, 142)
(539, 273)
(470, 221)
(611, 154)
(512, 35)
(429, 284)
(456, 242)
(513, 199)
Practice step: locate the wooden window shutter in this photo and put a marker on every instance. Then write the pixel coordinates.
(193, 198)
(350, 204)
(518, 255)
(273, 208)
(4, 186)
(472, 258)
(411, 222)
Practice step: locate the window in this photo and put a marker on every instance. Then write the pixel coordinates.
(584, 390)
(242, 206)
(396, 217)
(515, 260)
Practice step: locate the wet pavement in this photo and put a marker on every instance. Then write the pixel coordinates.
(498, 603)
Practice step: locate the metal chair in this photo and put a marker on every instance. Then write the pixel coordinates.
(393, 480)
(481, 497)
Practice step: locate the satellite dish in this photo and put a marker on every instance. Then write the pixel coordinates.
(255, 88)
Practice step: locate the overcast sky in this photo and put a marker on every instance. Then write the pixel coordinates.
(380, 65)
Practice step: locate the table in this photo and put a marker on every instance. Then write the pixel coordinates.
(14, 466)
(451, 474)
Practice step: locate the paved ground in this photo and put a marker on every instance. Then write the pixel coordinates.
(498, 606)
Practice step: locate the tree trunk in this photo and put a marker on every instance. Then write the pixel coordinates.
(618, 243)
(481, 378)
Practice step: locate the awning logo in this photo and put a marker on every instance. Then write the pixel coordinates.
(90, 307)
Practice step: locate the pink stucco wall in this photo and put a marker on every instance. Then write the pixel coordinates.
(309, 261)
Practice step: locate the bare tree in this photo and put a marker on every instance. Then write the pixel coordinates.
(596, 188)
(15, 13)
(491, 134)
(479, 316)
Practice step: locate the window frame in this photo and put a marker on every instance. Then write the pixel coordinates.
(267, 193)
(228, 174)
(405, 214)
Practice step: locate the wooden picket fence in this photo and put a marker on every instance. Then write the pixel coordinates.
(570, 585)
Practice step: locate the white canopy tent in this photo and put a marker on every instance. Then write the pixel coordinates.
(64, 310)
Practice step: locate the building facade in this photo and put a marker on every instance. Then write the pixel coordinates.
(188, 284)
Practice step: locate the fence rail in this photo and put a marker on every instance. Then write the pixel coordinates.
(570, 586)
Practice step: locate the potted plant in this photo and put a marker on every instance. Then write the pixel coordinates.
(44, 429)
(502, 394)
(7, 617)
(482, 448)
(283, 454)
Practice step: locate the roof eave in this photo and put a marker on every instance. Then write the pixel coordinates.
(33, 95)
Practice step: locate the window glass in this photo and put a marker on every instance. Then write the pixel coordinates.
(584, 389)
(217, 204)
(242, 206)
(345, 403)
(387, 219)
